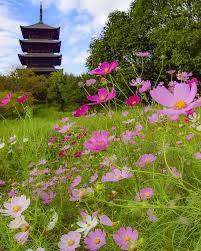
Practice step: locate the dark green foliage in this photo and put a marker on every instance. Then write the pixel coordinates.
(167, 28)
(58, 89)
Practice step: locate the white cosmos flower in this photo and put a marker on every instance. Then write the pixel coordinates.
(25, 140)
(53, 222)
(86, 225)
(17, 222)
(2, 145)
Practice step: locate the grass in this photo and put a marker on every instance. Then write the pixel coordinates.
(176, 201)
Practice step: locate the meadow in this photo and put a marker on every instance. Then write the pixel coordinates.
(123, 178)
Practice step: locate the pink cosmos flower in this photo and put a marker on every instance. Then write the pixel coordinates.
(125, 236)
(19, 222)
(153, 118)
(184, 76)
(105, 68)
(51, 140)
(78, 194)
(98, 142)
(105, 220)
(2, 183)
(146, 159)
(42, 162)
(125, 114)
(127, 136)
(12, 193)
(22, 99)
(70, 241)
(144, 54)
(95, 240)
(150, 214)
(6, 100)
(103, 96)
(146, 193)
(198, 155)
(136, 82)
(56, 128)
(146, 85)
(90, 82)
(133, 100)
(75, 182)
(81, 111)
(175, 172)
(47, 197)
(64, 120)
(65, 128)
(190, 136)
(93, 178)
(116, 175)
(179, 102)
(16, 206)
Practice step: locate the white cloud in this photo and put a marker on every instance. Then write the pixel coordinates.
(81, 58)
(9, 35)
(76, 34)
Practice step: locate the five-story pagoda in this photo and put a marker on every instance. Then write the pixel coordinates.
(41, 47)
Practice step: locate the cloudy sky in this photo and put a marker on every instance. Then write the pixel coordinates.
(80, 21)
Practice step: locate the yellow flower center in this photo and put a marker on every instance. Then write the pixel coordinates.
(127, 238)
(88, 225)
(134, 102)
(24, 228)
(180, 104)
(71, 243)
(102, 98)
(97, 241)
(106, 70)
(99, 143)
(147, 194)
(16, 208)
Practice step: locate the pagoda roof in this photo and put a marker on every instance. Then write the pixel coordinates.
(40, 59)
(40, 25)
(44, 41)
(41, 55)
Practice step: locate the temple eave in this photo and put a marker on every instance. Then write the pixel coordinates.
(40, 55)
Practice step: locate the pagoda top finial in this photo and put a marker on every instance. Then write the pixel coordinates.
(41, 12)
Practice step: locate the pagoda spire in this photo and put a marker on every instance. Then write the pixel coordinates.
(41, 12)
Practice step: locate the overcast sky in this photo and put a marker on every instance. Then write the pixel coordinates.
(80, 21)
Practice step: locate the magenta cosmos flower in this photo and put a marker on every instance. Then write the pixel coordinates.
(6, 100)
(133, 100)
(98, 142)
(146, 159)
(105, 68)
(16, 206)
(146, 193)
(95, 240)
(22, 99)
(103, 96)
(81, 111)
(70, 241)
(180, 101)
(125, 236)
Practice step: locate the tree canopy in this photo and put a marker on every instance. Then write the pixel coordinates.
(167, 28)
